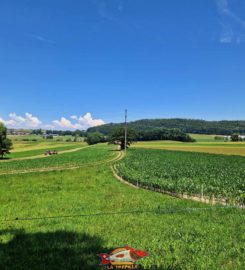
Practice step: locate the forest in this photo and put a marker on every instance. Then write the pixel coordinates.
(185, 125)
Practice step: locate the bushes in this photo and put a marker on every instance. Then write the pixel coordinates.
(95, 137)
(164, 134)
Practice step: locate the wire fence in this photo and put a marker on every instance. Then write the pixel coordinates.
(157, 210)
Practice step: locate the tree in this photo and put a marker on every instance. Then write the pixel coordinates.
(37, 131)
(117, 136)
(5, 143)
(235, 137)
(94, 138)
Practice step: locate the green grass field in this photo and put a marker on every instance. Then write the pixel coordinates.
(81, 157)
(37, 152)
(20, 146)
(203, 137)
(61, 219)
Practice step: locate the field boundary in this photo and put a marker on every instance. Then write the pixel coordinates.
(203, 199)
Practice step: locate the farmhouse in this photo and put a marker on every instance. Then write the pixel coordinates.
(20, 132)
(228, 138)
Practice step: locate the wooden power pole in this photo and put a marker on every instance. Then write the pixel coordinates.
(125, 140)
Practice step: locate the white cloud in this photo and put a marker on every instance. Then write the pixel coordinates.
(227, 34)
(7, 122)
(18, 121)
(233, 26)
(17, 118)
(66, 124)
(222, 6)
(80, 122)
(41, 39)
(110, 10)
(33, 122)
(88, 120)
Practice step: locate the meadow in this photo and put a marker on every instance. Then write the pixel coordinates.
(41, 152)
(62, 219)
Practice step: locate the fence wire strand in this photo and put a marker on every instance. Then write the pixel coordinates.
(157, 210)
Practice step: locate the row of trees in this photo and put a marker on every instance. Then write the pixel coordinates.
(117, 136)
(78, 133)
(164, 134)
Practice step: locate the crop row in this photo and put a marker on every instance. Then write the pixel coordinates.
(186, 172)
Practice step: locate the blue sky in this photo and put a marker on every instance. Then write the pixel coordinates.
(94, 58)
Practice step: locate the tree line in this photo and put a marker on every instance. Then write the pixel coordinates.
(78, 133)
(117, 135)
(185, 125)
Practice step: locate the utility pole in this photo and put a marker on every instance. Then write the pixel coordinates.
(125, 139)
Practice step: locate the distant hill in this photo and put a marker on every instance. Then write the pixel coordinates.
(186, 125)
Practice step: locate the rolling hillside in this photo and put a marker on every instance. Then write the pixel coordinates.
(186, 125)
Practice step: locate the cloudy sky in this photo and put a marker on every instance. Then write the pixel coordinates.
(30, 121)
(75, 64)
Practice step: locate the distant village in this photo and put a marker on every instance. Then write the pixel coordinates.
(46, 133)
(25, 132)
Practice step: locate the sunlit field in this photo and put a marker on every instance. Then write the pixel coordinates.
(215, 147)
(65, 217)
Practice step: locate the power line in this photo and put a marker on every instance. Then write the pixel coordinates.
(142, 211)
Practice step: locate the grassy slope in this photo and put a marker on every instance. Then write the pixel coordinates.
(207, 239)
(81, 157)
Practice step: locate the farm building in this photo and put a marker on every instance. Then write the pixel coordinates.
(228, 138)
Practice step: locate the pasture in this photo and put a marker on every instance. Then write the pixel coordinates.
(60, 218)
